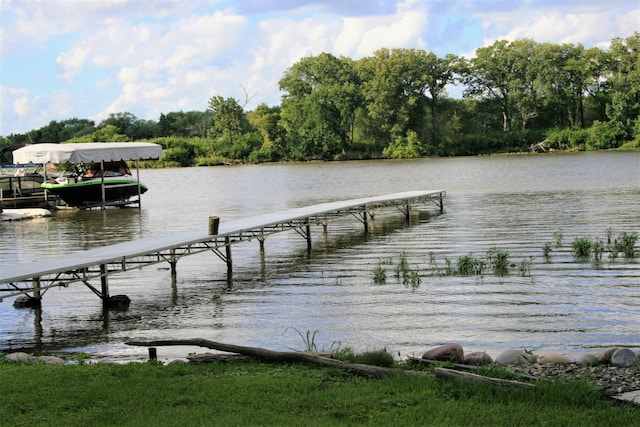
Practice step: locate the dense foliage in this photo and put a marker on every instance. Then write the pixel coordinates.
(517, 96)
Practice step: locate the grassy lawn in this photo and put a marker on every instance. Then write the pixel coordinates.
(252, 393)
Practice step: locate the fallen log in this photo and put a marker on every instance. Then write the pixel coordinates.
(315, 359)
(284, 356)
(459, 366)
(452, 374)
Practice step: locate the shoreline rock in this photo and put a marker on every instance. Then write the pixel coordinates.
(616, 370)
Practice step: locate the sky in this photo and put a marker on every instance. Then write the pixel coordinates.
(61, 59)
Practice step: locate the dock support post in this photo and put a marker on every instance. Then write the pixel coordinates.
(35, 285)
(227, 248)
(173, 262)
(407, 212)
(440, 202)
(365, 221)
(104, 283)
(261, 240)
(308, 233)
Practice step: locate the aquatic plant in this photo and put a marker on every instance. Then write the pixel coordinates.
(414, 279)
(402, 269)
(499, 261)
(581, 248)
(546, 251)
(558, 236)
(597, 248)
(525, 267)
(434, 265)
(379, 274)
(409, 276)
(468, 266)
(625, 243)
(449, 270)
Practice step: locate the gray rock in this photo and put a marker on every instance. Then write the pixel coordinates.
(624, 357)
(19, 357)
(553, 358)
(514, 357)
(588, 359)
(477, 358)
(605, 355)
(50, 360)
(446, 353)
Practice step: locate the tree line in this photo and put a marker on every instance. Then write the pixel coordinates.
(394, 104)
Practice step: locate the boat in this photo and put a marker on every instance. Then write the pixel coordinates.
(20, 185)
(97, 173)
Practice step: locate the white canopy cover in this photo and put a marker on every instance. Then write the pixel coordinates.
(86, 152)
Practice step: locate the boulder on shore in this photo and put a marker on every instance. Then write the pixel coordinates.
(446, 353)
(515, 357)
(478, 358)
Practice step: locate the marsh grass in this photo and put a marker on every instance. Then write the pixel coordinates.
(379, 275)
(409, 277)
(585, 248)
(499, 261)
(546, 251)
(625, 243)
(470, 266)
(254, 393)
(525, 267)
(581, 248)
(308, 339)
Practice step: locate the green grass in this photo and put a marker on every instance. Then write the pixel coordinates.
(253, 393)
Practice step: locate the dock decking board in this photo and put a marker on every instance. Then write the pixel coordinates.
(98, 263)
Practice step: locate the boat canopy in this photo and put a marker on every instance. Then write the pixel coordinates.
(86, 152)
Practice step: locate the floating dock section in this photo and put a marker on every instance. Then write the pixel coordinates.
(32, 279)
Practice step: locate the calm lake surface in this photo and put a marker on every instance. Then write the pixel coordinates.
(515, 204)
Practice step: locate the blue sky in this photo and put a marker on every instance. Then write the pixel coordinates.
(87, 58)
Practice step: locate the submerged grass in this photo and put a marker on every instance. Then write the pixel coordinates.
(254, 393)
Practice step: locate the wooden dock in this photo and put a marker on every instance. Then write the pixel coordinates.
(33, 279)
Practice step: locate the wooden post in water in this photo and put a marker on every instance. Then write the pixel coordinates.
(35, 285)
(214, 224)
(308, 233)
(172, 262)
(104, 283)
(365, 221)
(227, 248)
(261, 239)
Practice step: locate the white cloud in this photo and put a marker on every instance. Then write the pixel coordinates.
(71, 63)
(147, 58)
(589, 23)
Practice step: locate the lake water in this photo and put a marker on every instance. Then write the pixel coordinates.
(514, 204)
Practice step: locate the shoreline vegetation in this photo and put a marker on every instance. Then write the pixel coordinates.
(517, 96)
(262, 390)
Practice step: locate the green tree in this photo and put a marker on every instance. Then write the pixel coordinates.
(266, 120)
(228, 123)
(322, 95)
(440, 72)
(394, 86)
(624, 110)
(492, 74)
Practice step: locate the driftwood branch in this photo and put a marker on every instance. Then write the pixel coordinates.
(283, 356)
(460, 367)
(315, 359)
(452, 374)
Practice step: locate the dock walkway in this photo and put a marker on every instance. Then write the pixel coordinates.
(32, 279)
